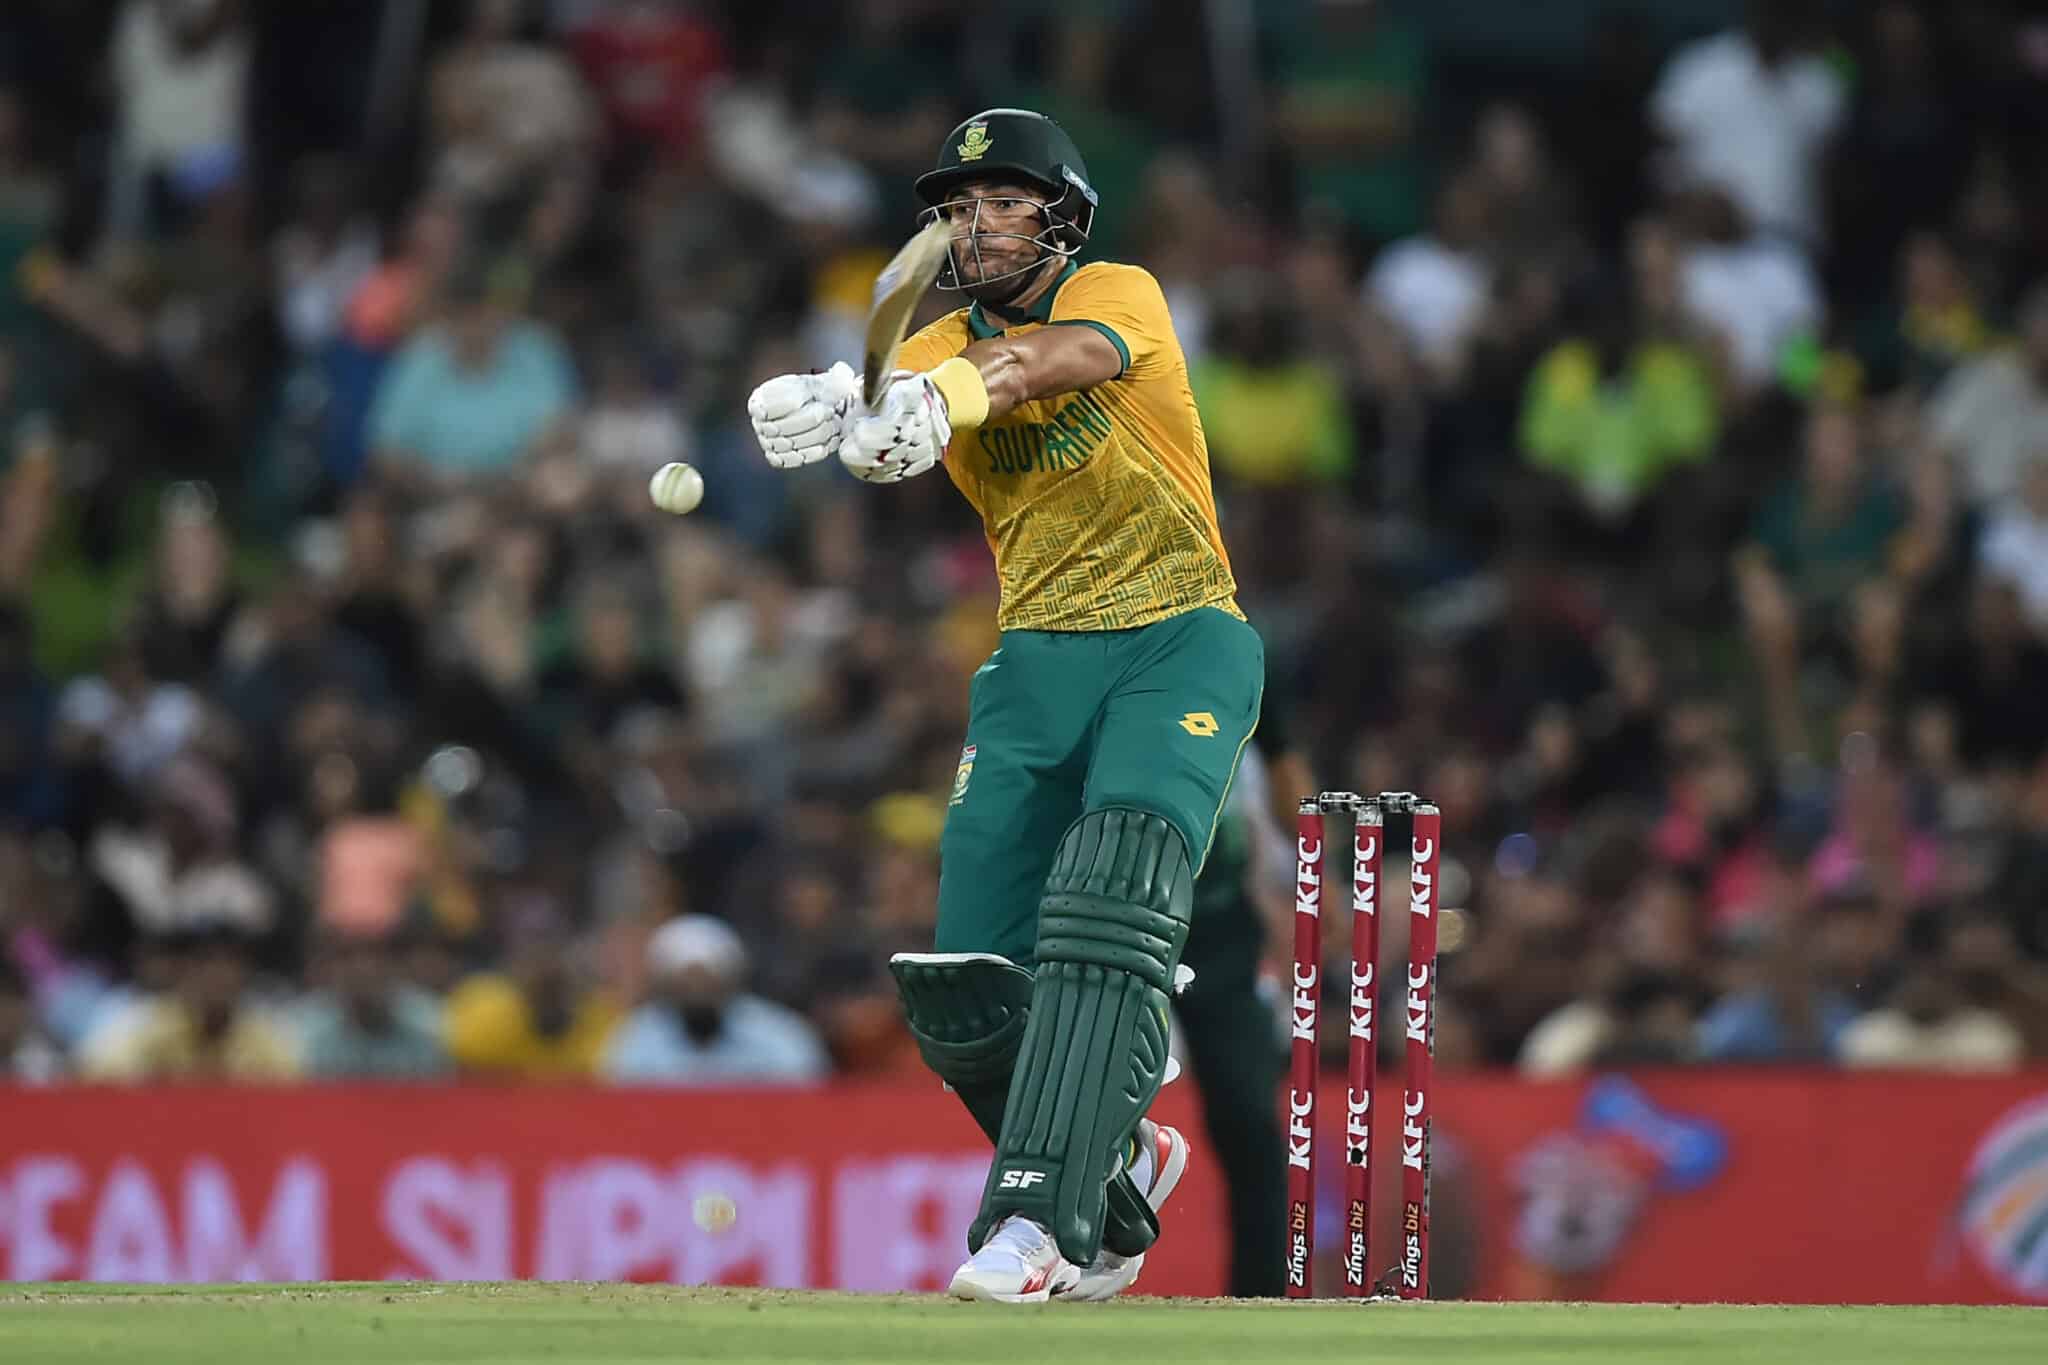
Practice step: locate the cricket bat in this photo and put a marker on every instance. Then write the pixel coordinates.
(897, 289)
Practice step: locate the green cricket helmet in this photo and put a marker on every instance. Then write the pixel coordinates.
(1006, 143)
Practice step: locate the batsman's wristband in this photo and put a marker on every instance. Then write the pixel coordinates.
(960, 384)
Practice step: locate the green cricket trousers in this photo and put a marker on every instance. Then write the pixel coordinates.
(1064, 722)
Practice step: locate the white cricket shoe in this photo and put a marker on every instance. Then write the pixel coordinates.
(1019, 1263)
(1161, 1161)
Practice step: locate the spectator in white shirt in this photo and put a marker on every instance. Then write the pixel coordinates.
(1993, 412)
(124, 718)
(701, 1027)
(1432, 286)
(179, 866)
(2015, 546)
(1928, 1024)
(500, 107)
(321, 257)
(1754, 109)
(180, 71)
(1754, 293)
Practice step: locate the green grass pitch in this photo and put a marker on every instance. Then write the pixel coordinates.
(569, 1324)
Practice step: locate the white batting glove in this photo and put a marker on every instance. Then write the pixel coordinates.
(905, 435)
(802, 418)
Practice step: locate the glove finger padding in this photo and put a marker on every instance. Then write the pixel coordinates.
(903, 436)
(800, 419)
(786, 454)
(967, 1013)
(833, 390)
(781, 396)
(1111, 926)
(810, 418)
(873, 440)
(870, 452)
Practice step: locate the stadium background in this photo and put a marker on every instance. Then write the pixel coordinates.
(1640, 450)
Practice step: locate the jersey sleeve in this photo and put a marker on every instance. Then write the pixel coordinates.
(1125, 304)
(935, 341)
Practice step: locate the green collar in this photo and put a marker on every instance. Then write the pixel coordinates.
(1040, 310)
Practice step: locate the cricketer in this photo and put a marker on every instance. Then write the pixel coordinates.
(1103, 731)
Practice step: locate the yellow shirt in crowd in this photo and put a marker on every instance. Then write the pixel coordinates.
(489, 1027)
(160, 1040)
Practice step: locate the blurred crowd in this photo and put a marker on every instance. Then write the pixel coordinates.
(1645, 455)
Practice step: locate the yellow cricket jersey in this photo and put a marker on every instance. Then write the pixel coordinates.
(1097, 503)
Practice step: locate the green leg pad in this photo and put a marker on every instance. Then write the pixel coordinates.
(1110, 930)
(967, 1013)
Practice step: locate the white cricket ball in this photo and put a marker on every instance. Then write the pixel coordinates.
(714, 1212)
(676, 488)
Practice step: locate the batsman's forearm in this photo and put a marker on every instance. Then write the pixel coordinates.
(1052, 360)
(1004, 372)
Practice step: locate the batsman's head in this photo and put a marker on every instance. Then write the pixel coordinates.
(1014, 187)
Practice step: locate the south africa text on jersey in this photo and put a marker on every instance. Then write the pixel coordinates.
(1066, 442)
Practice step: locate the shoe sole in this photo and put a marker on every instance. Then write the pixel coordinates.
(975, 1292)
(1106, 1288)
(966, 1287)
